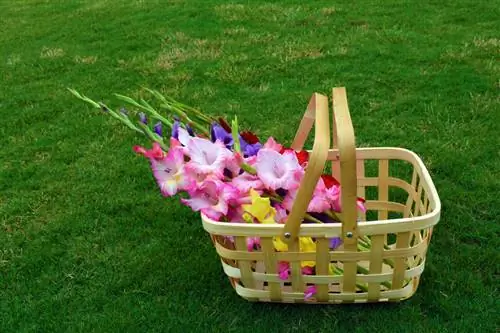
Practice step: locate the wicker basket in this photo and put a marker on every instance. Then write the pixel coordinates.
(389, 270)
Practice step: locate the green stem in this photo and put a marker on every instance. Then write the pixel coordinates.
(234, 132)
(331, 214)
(146, 107)
(365, 271)
(172, 103)
(248, 168)
(153, 136)
(340, 271)
(312, 218)
(185, 118)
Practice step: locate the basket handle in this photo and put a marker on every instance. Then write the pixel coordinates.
(343, 138)
(317, 113)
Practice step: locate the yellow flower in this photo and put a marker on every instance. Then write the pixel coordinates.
(260, 209)
(306, 244)
(279, 245)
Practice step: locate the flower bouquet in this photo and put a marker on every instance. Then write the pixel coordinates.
(276, 219)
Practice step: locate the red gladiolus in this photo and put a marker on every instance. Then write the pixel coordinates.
(330, 181)
(249, 137)
(224, 125)
(302, 156)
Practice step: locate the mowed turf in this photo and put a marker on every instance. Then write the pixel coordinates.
(87, 242)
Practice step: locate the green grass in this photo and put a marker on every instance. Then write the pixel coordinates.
(87, 243)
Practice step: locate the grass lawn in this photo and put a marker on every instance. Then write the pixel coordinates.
(88, 244)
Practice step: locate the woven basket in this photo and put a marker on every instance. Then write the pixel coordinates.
(402, 215)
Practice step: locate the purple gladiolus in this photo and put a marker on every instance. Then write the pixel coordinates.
(175, 129)
(249, 149)
(219, 133)
(335, 242)
(158, 128)
(190, 130)
(142, 118)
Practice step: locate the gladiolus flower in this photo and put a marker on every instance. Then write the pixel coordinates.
(212, 198)
(158, 128)
(207, 157)
(310, 292)
(249, 149)
(180, 134)
(273, 145)
(155, 153)
(302, 156)
(329, 181)
(249, 137)
(169, 172)
(218, 133)
(142, 118)
(319, 201)
(259, 210)
(278, 171)
(335, 242)
(224, 124)
(245, 182)
(252, 242)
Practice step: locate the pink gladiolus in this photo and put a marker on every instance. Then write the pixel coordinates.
(273, 145)
(207, 157)
(246, 181)
(278, 171)
(307, 270)
(154, 153)
(184, 137)
(283, 270)
(169, 172)
(319, 203)
(233, 166)
(252, 242)
(281, 214)
(212, 198)
(335, 197)
(310, 292)
(235, 214)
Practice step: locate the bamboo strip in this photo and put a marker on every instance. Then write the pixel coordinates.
(343, 297)
(400, 262)
(270, 263)
(235, 273)
(295, 267)
(322, 262)
(418, 201)
(347, 256)
(321, 230)
(383, 187)
(360, 173)
(376, 255)
(391, 181)
(411, 198)
(245, 266)
(385, 206)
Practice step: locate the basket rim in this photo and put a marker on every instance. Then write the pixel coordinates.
(335, 229)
